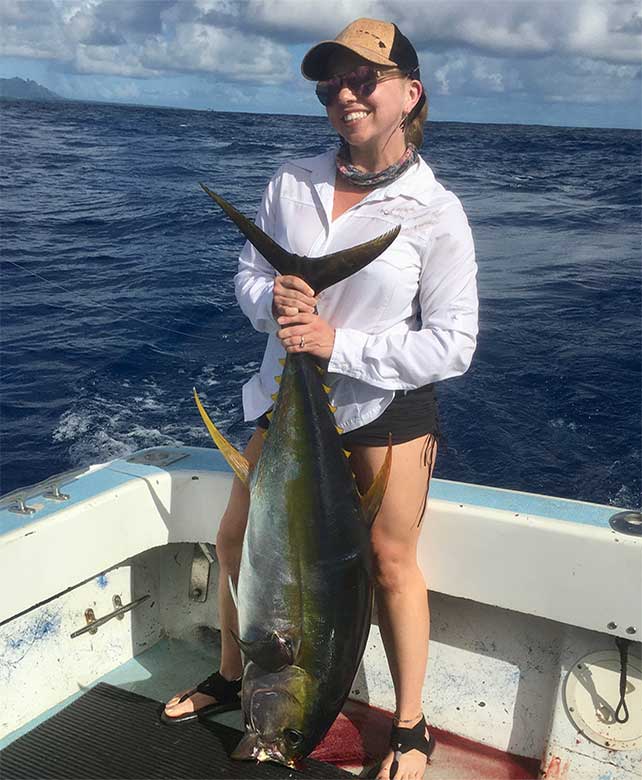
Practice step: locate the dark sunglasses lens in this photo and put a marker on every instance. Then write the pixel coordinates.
(362, 82)
(323, 94)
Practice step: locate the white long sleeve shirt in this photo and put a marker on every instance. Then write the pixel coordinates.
(406, 320)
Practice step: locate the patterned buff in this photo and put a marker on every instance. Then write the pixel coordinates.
(378, 179)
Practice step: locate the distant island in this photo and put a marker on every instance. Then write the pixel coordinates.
(25, 89)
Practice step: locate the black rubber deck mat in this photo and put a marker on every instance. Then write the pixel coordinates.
(111, 734)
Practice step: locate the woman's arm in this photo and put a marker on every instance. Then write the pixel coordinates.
(445, 344)
(254, 281)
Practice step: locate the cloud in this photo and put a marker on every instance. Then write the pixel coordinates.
(579, 50)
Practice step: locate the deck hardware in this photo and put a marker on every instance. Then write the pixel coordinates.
(631, 630)
(199, 580)
(54, 494)
(90, 617)
(602, 696)
(611, 626)
(20, 508)
(158, 457)
(16, 500)
(627, 523)
(118, 603)
(93, 623)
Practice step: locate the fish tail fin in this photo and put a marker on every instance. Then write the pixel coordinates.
(239, 463)
(319, 272)
(371, 501)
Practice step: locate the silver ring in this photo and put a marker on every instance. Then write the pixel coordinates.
(302, 342)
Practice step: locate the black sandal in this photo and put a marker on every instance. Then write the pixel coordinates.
(404, 740)
(226, 693)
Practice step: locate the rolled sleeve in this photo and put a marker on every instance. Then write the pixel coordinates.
(443, 347)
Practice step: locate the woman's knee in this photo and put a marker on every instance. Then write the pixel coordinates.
(393, 563)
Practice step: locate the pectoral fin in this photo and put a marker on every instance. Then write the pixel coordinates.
(240, 465)
(233, 593)
(371, 501)
(273, 653)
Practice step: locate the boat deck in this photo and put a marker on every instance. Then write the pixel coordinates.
(354, 742)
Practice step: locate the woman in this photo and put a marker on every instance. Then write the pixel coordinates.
(387, 334)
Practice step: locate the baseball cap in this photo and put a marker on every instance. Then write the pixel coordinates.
(381, 43)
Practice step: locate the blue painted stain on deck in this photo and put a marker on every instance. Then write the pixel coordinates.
(43, 627)
(102, 581)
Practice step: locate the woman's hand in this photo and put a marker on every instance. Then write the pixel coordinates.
(292, 296)
(306, 332)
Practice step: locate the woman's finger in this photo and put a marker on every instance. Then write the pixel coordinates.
(296, 283)
(300, 318)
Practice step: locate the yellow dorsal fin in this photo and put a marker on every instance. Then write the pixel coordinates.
(371, 502)
(326, 388)
(277, 379)
(282, 361)
(240, 465)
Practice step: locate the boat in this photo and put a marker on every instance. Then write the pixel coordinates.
(108, 577)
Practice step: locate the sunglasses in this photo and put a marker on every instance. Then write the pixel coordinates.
(362, 82)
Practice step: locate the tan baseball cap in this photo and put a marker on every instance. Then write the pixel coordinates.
(378, 42)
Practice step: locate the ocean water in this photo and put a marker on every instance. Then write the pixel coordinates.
(117, 291)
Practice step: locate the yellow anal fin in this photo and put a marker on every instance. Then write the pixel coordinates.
(371, 502)
(240, 464)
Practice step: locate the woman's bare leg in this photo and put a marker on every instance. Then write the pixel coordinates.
(402, 598)
(229, 542)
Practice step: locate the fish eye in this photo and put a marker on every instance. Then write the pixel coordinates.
(293, 736)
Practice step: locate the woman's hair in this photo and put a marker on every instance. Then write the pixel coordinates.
(414, 131)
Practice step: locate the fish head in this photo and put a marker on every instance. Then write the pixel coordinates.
(278, 709)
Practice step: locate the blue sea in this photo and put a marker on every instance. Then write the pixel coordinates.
(117, 290)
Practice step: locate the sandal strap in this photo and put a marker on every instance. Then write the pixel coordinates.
(404, 740)
(224, 691)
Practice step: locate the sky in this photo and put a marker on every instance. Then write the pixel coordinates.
(551, 62)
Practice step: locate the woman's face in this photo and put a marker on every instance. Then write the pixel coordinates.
(371, 121)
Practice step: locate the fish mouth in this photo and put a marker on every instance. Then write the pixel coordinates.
(251, 747)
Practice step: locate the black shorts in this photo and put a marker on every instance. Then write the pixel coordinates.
(411, 414)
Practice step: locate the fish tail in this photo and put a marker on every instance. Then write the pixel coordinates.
(318, 272)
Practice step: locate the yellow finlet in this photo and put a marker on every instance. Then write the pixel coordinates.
(333, 409)
(347, 453)
(339, 430)
(240, 465)
(326, 388)
(274, 396)
(269, 415)
(319, 369)
(282, 361)
(277, 379)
